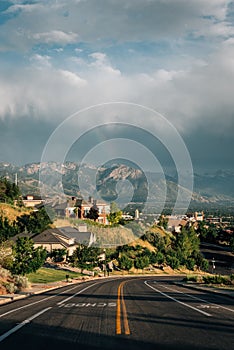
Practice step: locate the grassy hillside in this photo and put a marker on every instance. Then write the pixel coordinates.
(144, 244)
(11, 212)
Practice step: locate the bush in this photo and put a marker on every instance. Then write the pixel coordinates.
(4, 273)
(190, 278)
(173, 262)
(194, 278)
(10, 287)
(204, 265)
(125, 263)
(214, 279)
(160, 258)
(190, 263)
(21, 282)
(217, 279)
(141, 262)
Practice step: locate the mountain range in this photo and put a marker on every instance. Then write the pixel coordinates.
(120, 182)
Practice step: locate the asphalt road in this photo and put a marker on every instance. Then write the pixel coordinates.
(224, 259)
(119, 313)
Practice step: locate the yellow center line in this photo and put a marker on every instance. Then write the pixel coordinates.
(118, 312)
(120, 301)
(125, 316)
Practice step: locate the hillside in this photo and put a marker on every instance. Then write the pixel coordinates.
(209, 189)
(11, 212)
(144, 244)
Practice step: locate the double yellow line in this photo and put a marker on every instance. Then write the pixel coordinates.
(121, 302)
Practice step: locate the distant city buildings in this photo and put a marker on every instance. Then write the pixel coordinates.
(199, 216)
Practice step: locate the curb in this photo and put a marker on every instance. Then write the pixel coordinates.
(6, 299)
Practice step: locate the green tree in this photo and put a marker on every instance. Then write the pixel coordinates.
(204, 265)
(202, 231)
(173, 261)
(26, 258)
(125, 263)
(8, 191)
(7, 230)
(190, 263)
(186, 245)
(58, 254)
(141, 262)
(160, 257)
(212, 233)
(115, 215)
(85, 257)
(93, 213)
(163, 221)
(35, 222)
(114, 218)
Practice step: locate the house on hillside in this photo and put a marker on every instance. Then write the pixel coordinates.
(66, 209)
(175, 225)
(79, 208)
(85, 206)
(68, 238)
(31, 201)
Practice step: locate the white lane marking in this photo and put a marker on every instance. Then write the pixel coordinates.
(196, 298)
(100, 304)
(53, 296)
(208, 306)
(178, 301)
(22, 324)
(72, 296)
(37, 302)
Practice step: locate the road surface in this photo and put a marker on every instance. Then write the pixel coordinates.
(223, 258)
(119, 313)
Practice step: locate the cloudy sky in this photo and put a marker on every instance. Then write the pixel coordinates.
(173, 56)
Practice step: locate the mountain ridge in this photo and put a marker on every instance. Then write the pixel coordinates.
(211, 188)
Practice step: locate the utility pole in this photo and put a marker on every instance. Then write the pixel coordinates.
(16, 179)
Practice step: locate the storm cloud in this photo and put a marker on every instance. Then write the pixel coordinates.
(174, 56)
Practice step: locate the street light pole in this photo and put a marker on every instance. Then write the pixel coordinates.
(213, 265)
(104, 262)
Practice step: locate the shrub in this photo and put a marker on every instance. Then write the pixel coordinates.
(190, 263)
(4, 273)
(204, 265)
(173, 262)
(10, 287)
(160, 258)
(21, 282)
(190, 278)
(141, 262)
(217, 279)
(125, 263)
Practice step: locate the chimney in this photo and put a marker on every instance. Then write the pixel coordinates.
(82, 228)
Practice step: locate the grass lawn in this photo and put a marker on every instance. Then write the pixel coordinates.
(46, 275)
